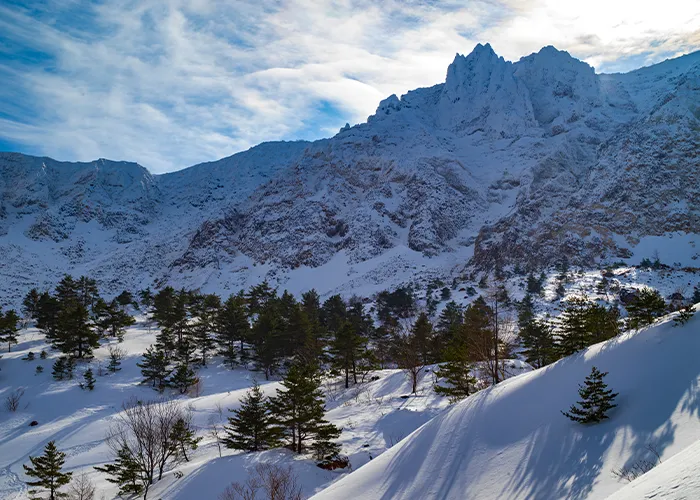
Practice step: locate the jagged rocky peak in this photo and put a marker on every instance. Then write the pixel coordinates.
(560, 86)
(480, 94)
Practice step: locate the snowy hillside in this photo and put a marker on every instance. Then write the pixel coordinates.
(511, 441)
(374, 417)
(503, 163)
(676, 478)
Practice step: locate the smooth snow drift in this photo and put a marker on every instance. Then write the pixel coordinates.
(511, 441)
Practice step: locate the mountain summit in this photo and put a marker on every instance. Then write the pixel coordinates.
(504, 163)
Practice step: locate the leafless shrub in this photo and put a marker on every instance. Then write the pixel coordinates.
(640, 467)
(145, 430)
(245, 491)
(196, 388)
(81, 488)
(331, 389)
(220, 410)
(215, 432)
(12, 401)
(275, 482)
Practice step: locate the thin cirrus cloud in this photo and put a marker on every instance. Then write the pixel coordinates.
(170, 84)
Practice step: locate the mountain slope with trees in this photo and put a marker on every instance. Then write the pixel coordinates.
(511, 441)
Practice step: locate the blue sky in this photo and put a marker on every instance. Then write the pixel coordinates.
(173, 83)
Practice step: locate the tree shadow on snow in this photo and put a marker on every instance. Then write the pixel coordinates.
(656, 375)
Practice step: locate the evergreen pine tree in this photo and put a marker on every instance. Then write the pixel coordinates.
(251, 427)
(146, 299)
(684, 315)
(8, 328)
(265, 336)
(69, 366)
(74, 335)
(317, 339)
(645, 308)
(299, 409)
(59, 368)
(183, 377)
(449, 325)
(602, 323)
(596, 400)
(113, 319)
(324, 447)
(423, 337)
(575, 334)
(154, 367)
(87, 292)
(125, 299)
(47, 471)
(48, 308)
(538, 343)
(300, 336)
(260, 297)
(457, 372)
(232, 326)
(89, 380)
(347, 347)
(205, 313)
(30, 304)
(534, 286)
(67, 290)
(125, 473)
(184, 437)
(477, 330)
(115, 361)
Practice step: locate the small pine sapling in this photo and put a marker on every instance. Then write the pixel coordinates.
(684, 315)
(596, 400)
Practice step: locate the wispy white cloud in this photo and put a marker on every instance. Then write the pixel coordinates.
(169, 84)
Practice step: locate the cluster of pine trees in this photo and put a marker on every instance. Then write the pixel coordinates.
(267, 331)
(75, 317)
(260, 328)
(9, 321)
(294, 418)
(582, 323)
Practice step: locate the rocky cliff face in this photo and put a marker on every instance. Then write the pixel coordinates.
(504, 163)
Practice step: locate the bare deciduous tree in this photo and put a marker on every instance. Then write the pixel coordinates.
(145, 430)
(81, 488)
(215, 432)
(277, 483)
(639, 467)
(502, 333)
(407, 354)
(12, 401)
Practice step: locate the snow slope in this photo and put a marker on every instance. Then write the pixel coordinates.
(674, 479)
(374, 417)
(511, 441)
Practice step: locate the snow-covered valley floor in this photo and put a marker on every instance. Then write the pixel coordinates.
(373, 416)
(509, 441)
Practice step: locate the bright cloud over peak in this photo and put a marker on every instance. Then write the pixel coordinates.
(170, 84)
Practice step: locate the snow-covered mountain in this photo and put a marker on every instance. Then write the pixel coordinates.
(503, 163)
